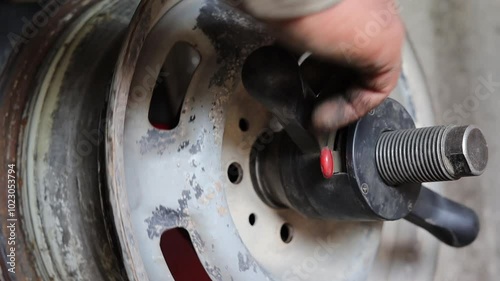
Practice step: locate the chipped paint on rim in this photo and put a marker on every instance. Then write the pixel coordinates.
(156, 183)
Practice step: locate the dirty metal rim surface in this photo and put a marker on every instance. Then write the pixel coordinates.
(218, 78)
(63, 203)
(179, 182)
(17, 86)
(164, 179)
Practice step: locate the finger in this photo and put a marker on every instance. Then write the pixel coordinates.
(341, 110)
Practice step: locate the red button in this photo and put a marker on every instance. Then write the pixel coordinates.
(326, 160)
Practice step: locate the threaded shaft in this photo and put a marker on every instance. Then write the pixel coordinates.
(414, 155)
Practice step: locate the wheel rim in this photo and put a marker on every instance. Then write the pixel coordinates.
(166, 202)
(162, 195)
(162, 179)
(60, 193)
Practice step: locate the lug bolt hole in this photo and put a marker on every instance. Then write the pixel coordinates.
(244, 125)
(252, 219)
(286, 233)
(235, 173)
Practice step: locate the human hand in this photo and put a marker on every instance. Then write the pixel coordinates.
(366, 35)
